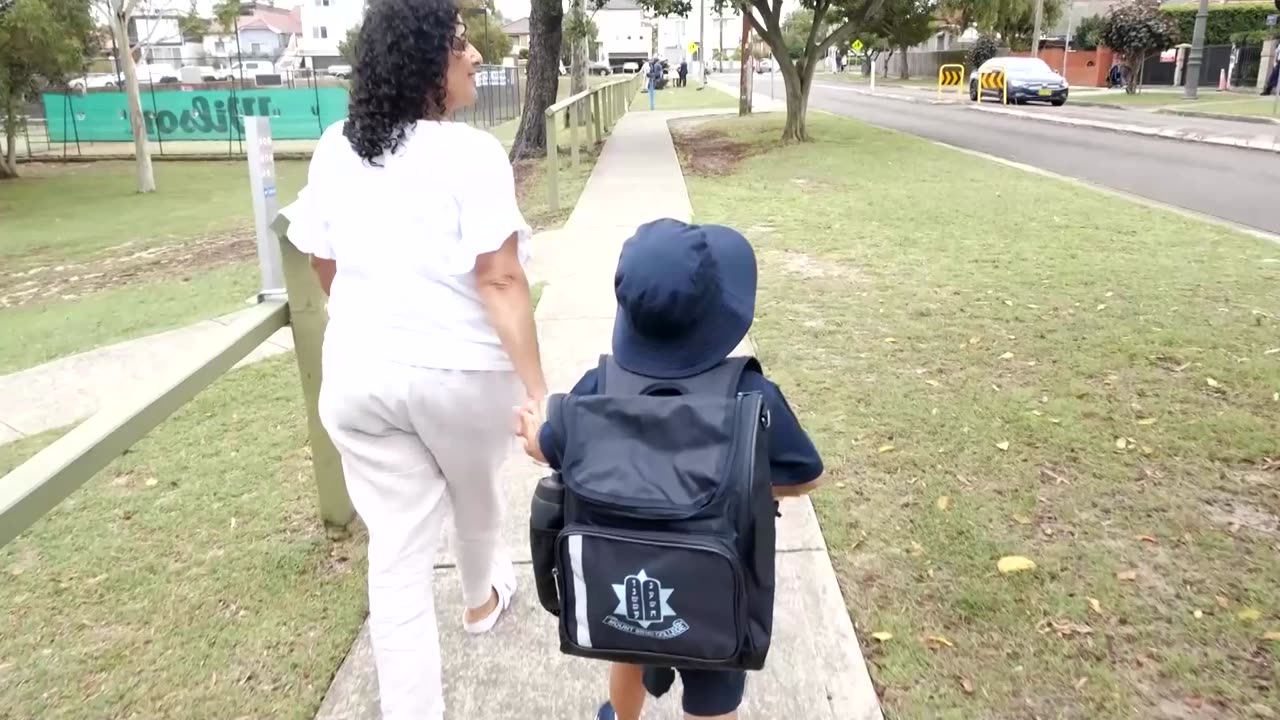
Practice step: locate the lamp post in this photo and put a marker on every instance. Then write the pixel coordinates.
(1191, 82)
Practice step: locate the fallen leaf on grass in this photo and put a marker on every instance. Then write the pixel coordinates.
(1272, 636)
(1021, 519)
(966, 685)
(152, 482)
(1094, 605)
(891, 340)
(1249, 615)
(1223, 602)
(1212, 383)
(1081, 683)
(1145, 539)
(932, 383)
(1147, 421)
(1198, 614)
(882, 636)
(939, 641)
(944, 503)
(1272, 351)
(1127, 575)
(1121, 443)
(1102, 307)
(1003, 444)
(1007, 356)
(1064, 628)
(1015, 563)
(917, 549)
(885, 449)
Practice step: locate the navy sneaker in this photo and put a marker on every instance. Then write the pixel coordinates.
(606, 712)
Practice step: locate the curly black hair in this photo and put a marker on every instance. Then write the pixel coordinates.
(398, 78)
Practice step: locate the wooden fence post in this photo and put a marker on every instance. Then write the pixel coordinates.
(596, 111)
(307, 318)
(553, 164)
(572, 110)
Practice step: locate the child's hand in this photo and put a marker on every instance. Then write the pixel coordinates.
(528, 424)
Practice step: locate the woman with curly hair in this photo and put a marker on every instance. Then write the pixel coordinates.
(413, 228)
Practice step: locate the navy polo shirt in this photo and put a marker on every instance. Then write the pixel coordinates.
(793, 459)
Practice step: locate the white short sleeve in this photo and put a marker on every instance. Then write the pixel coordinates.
(488, 213)
(309, 215)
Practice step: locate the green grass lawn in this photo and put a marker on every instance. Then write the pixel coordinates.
(1253, 106)
(1095, 387)
(62, 213)
(190, 579)
(690, 97)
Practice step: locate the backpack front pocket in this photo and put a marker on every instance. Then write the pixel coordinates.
(650, 597)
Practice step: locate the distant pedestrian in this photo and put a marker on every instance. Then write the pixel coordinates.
(655, 75)
(682, 73)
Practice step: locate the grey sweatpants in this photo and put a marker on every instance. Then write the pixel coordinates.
(415, 441)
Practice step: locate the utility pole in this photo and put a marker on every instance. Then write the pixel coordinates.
(1035, 32)
(1191, 80)
(744, 59)
(720, 59)
(702, 40)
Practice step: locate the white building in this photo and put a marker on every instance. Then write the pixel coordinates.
(623, 33)
(325, 24)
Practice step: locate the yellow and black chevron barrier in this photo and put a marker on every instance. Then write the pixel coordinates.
(951, 76)
(993, 80)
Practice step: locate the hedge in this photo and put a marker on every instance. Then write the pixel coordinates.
(1254, 37)
(1224, 20)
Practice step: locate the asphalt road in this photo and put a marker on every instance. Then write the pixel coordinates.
(1233, 184)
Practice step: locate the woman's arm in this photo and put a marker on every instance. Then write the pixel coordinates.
(504, 290)
(325, 271)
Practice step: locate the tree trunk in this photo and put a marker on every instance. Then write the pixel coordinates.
(798, 79)
(545, 36)
(137, 122)
(906, 66)
(578, 81)
(9, 163)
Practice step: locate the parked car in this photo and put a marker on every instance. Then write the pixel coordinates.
(599, 67)
(249, 70)
(630, 67)
(156, 73)
(1026, 79)
(93, 81)
(765, 65)
(338, 71)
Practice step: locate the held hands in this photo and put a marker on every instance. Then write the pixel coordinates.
(529, 419)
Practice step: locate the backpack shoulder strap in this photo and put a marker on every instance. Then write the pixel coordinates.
(723, 379)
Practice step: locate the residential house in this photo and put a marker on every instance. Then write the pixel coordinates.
(325, 23)
(518, 31)
(263, 32)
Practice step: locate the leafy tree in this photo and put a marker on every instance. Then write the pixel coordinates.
(40, 40)
(484, 30)
(1135, 29)
(795, 30)
(834, 22)
(983, 50)
(905, 23)
(1014, 20)
(347, 45)
(193, 25)
(1088, 34)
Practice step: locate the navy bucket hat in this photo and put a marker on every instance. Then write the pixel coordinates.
(686, 298)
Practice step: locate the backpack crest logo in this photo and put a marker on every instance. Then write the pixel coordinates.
(643, 602)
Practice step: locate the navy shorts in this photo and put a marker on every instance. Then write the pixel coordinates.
(707, 693)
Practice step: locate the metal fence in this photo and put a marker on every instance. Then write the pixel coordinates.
(206, 118)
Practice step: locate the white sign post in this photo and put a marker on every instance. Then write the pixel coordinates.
(262, 183)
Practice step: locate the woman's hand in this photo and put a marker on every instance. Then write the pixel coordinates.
(529, 419)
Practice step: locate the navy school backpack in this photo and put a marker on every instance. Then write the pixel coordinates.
(654, 544)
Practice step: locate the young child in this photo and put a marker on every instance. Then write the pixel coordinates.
(686, 299)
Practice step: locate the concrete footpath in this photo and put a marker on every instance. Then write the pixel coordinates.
(65, 391)
(815, 671)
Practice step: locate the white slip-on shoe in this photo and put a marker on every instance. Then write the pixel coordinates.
(504, 584)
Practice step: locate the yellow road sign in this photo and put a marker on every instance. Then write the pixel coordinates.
(950, 75)
(693, 47)
(857, 46)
